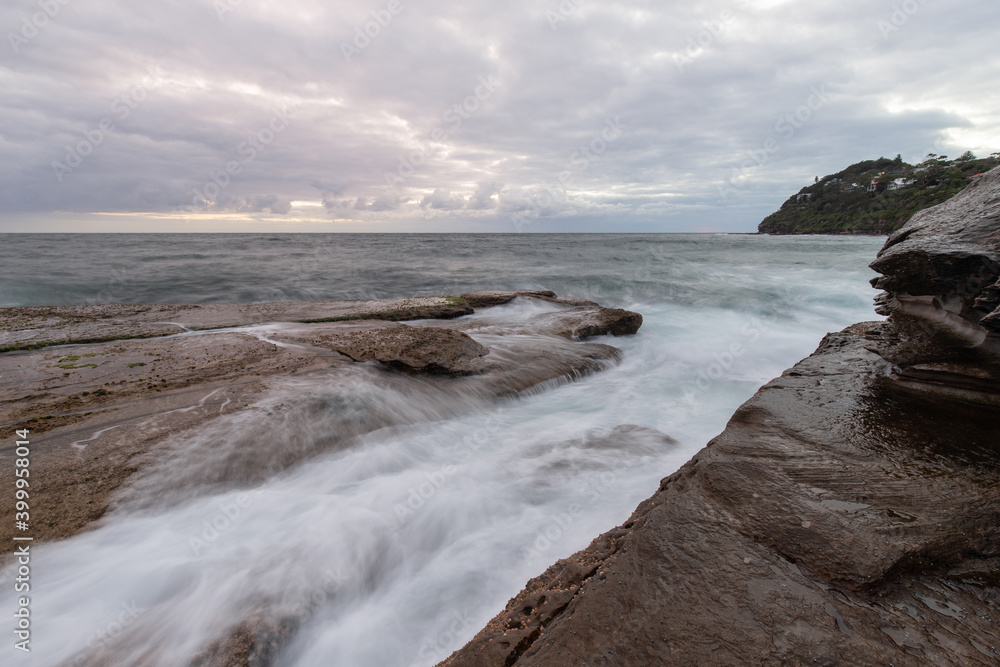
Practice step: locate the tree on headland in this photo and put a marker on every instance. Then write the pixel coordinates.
(875, 196)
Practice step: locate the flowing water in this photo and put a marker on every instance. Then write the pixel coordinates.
(397, 545)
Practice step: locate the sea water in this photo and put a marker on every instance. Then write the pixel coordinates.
(396, 548)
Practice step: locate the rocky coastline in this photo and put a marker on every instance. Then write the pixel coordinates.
(102, 388)
(848, 514)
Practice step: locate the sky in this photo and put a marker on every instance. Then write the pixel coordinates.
(475, 116)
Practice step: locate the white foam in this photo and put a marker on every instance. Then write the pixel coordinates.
(396, 549)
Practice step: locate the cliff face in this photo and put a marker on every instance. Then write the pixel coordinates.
(944, 264)
(848, 514)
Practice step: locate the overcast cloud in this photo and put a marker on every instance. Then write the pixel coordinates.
(424, 115)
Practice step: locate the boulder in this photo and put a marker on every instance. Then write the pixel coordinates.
(414, 349)
(587, 322)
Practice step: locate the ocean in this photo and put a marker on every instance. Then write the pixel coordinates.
(503, 490)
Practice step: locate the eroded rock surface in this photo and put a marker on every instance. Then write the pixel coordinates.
(33, 327)
(945, 263)
(125, 409)
(940, 276)
(428, 349)
(498, 297)
(576, 319)
(590, 322)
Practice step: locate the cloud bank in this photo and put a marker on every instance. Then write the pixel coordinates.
(531, 115)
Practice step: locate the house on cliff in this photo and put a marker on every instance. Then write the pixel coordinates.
(901, 183)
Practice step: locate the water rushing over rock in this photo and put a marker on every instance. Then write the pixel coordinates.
(274, 501)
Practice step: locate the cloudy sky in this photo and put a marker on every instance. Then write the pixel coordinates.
(432, 115)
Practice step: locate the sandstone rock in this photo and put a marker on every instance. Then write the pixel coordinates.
(498, 297)
(426, 349)
(526, 362)
(940, 274)
(568, 318)
(115, 401)
(253, 643)
(587, 322)
(947, 259)
(28, 328)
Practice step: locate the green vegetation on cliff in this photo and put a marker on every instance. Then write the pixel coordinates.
(875, 196)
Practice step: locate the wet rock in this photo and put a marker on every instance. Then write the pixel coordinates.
(111, 413)
(566, 317)
(587, 322)
(29, 328)
(641, 434)
(940, 275)
(253, 643)
(486, 299)
(95, 410)
(531, 362)
(500, 297)
(423, 349)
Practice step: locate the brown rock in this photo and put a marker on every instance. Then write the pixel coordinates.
(426, 349)
(111, 414)
(27, 328)
(587, 322)
(93, 411)
(944, 264)
(498, 297)
(253, 643)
